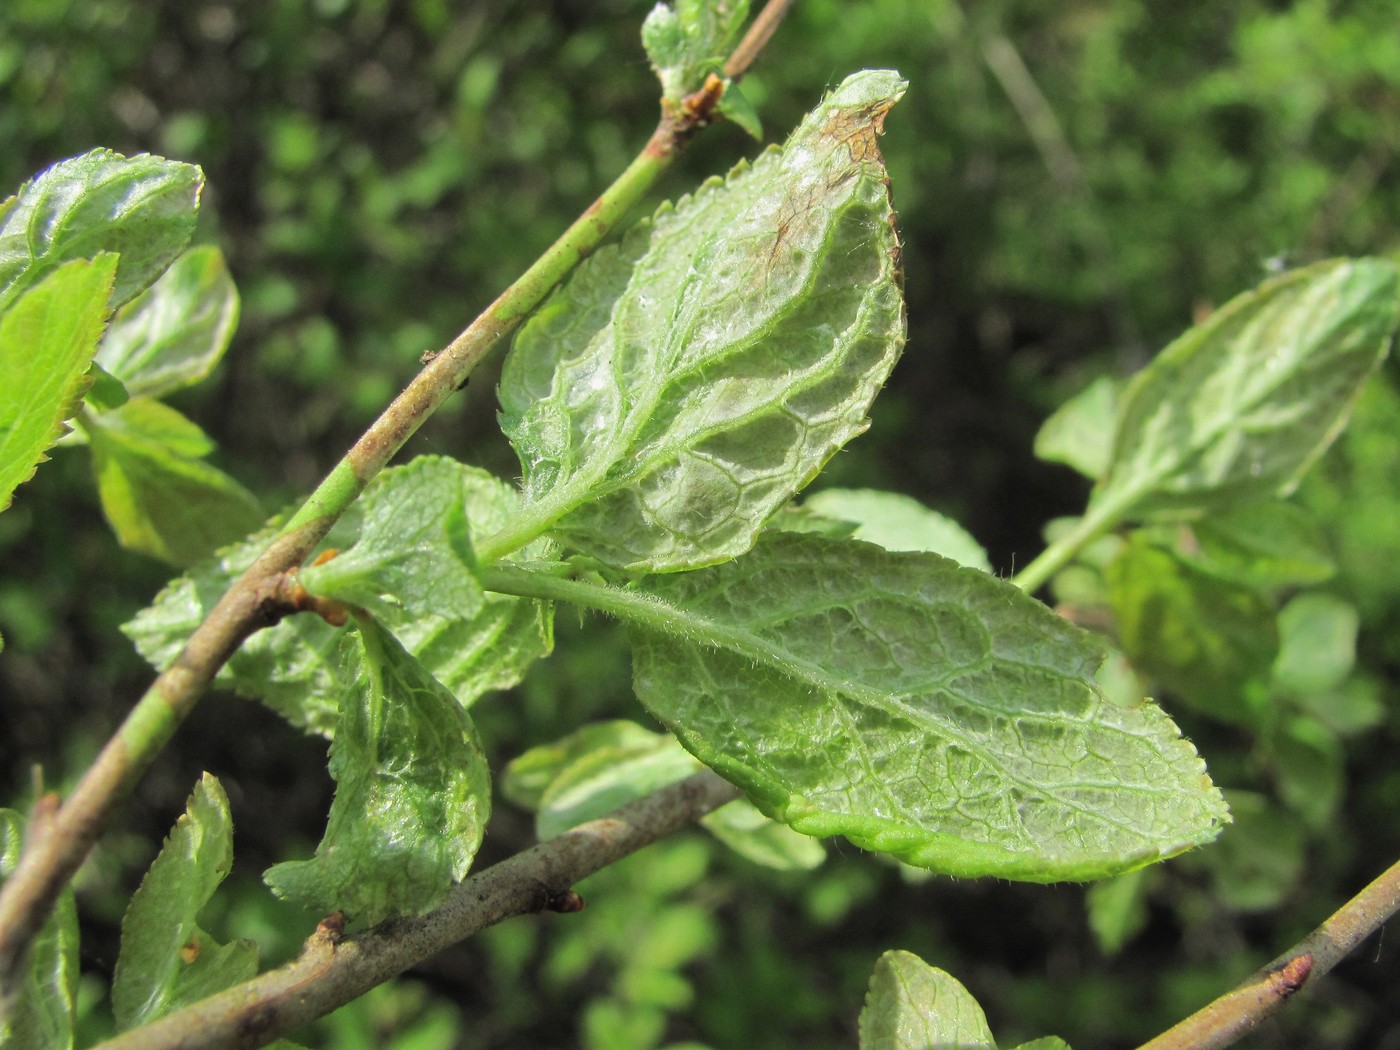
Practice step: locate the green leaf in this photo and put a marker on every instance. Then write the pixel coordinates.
(166, 960)
(736, 107)
(174, 333)
(900, 523)
(1317, 644)
(160, 498)
(742, 827)
(41, 1016)
(1242, 404)
(913, 1006)
(1268, 543)
(413, 791)
(47, 340)
(142, 207)
(1260, 862)
(914, 706)
(661, 418)
(1117, 909)
(1309, 770)
(106, 392)
(413, 551)
(1080, 433)
(294, 667)
(1203, 638)
(688, 41)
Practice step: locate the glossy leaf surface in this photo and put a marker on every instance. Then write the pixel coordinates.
(142, 207)
(174, 333)
(663, 410)
(166, 960)
(413, 791)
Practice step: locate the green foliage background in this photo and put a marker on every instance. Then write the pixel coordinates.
(378, 172)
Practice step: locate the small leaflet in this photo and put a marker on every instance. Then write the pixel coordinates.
(413, 791)
(166, 960)
(689, 40)
(913, 1006)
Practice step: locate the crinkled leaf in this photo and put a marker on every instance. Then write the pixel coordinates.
(1204, 638)
(159, 496)
(661, 418)
(900, 523)
(143, 207)
(913, 1006)
(916, 707)
(1117, 909)
(294, 667)
(413, 791)
(742, 827)
(1268, 543)
(1317, 643)
(40, 1017)
(1080, 432)
(166, 960)
(174, 333)
(690, 40)
(1242, 404)
(413, 550)
(47, 340)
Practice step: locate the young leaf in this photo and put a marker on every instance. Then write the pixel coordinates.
(40, 1017)
(47, 340)
(174, 333)
(662, 417)
(293, 667)
(413, 550)
(913, 1006)
(916, 707)
(142, 207)
(690, 40)
(159, 497)
(899, 523)
(412, 791)
(1242, 404)
(166, 960)
(1080, 433)
(1204, 638)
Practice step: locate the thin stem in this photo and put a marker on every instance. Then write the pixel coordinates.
(1060, 553)
(52, 857)
(1238, 1011)
(331, 971)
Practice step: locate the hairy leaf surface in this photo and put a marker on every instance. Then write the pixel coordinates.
(174, 333)
(413, 791)
(143, 207)
(662, 417)
(40, 1017)
(47, 340)
(295, 668)
(160, 497)
(166, 960)
(1242, 404)
(916, 707)
(913, 1006)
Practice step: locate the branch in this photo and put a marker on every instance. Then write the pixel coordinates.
(1235, 1013)
(331, 970)
(52, 856)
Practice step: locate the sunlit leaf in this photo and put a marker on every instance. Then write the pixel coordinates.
(916, 707)
(1242, 404)
(47, 340)
(143, 207)
(413, 791)
(1080, 433)
(174, 333)
(159, 496)
(691, 39)
(899, 523)
(662, 417)
(166, 960)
